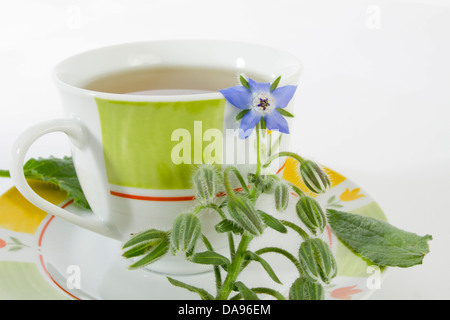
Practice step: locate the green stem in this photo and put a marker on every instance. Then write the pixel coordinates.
(227, 182)
(296, 228)
(217, 274)
(235, 268)
(283, 252)
(229, 234)
(258, 151)
(216, 208)
(283, 154)
(298, 191)
(270, 145)
(231, 245)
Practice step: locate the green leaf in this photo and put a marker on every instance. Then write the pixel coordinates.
(285, 113)
(140, 249)
(241, 114)
(59, 172)
(16, 248)
(203, 293)
(275, 83)
(227, 225)
(378, 241)
(253, 256)
(210, 258)
(246, 293)
(272, 222)
(244, 82)
(145, 236)
(302, 233)
(154, 255)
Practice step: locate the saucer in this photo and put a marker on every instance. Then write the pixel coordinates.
(45, 257)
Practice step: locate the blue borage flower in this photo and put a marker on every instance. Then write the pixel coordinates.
(260, 100)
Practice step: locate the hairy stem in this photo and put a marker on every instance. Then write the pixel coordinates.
(297, 190)
(258, 154)
(283, 252)
(283, 154)
(296, 228)
(229, 234)
(217, 274)
(235, 268)
(227, 182)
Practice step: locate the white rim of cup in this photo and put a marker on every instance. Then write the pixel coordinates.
(163, 98)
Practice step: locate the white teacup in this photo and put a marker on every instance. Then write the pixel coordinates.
(123, 142)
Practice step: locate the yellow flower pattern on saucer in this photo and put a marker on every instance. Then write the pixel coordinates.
(19, 215)
(348, 195)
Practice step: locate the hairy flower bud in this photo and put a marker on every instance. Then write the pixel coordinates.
(244, 213)
(281, 193)
(304, 289)
(263, 183)
(317, 260)
(205, 183)
(314, 177)
(311, 214)
(185, 233)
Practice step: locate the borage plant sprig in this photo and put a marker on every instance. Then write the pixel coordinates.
(262, 106)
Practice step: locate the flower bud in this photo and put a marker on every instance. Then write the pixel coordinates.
(263, 183)
(314, 177)
(311, 214)
(185, 233)
(317, 260)
(304, 289)
(281, 193)
(244, 213)
(205, 183)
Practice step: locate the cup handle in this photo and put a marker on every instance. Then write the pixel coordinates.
(75, 130)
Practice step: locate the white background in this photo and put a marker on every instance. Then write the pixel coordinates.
(373, 102)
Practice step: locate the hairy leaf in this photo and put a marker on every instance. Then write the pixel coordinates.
(253, 256)
(246, 293)
(140, 249)
(203, 293)
(210, 257)
(272, 222)
(378, 241)
(155, 254)
(227, 225)
(59, 172)
(145, 236)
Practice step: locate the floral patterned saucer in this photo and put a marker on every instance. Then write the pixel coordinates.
(44, 257)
